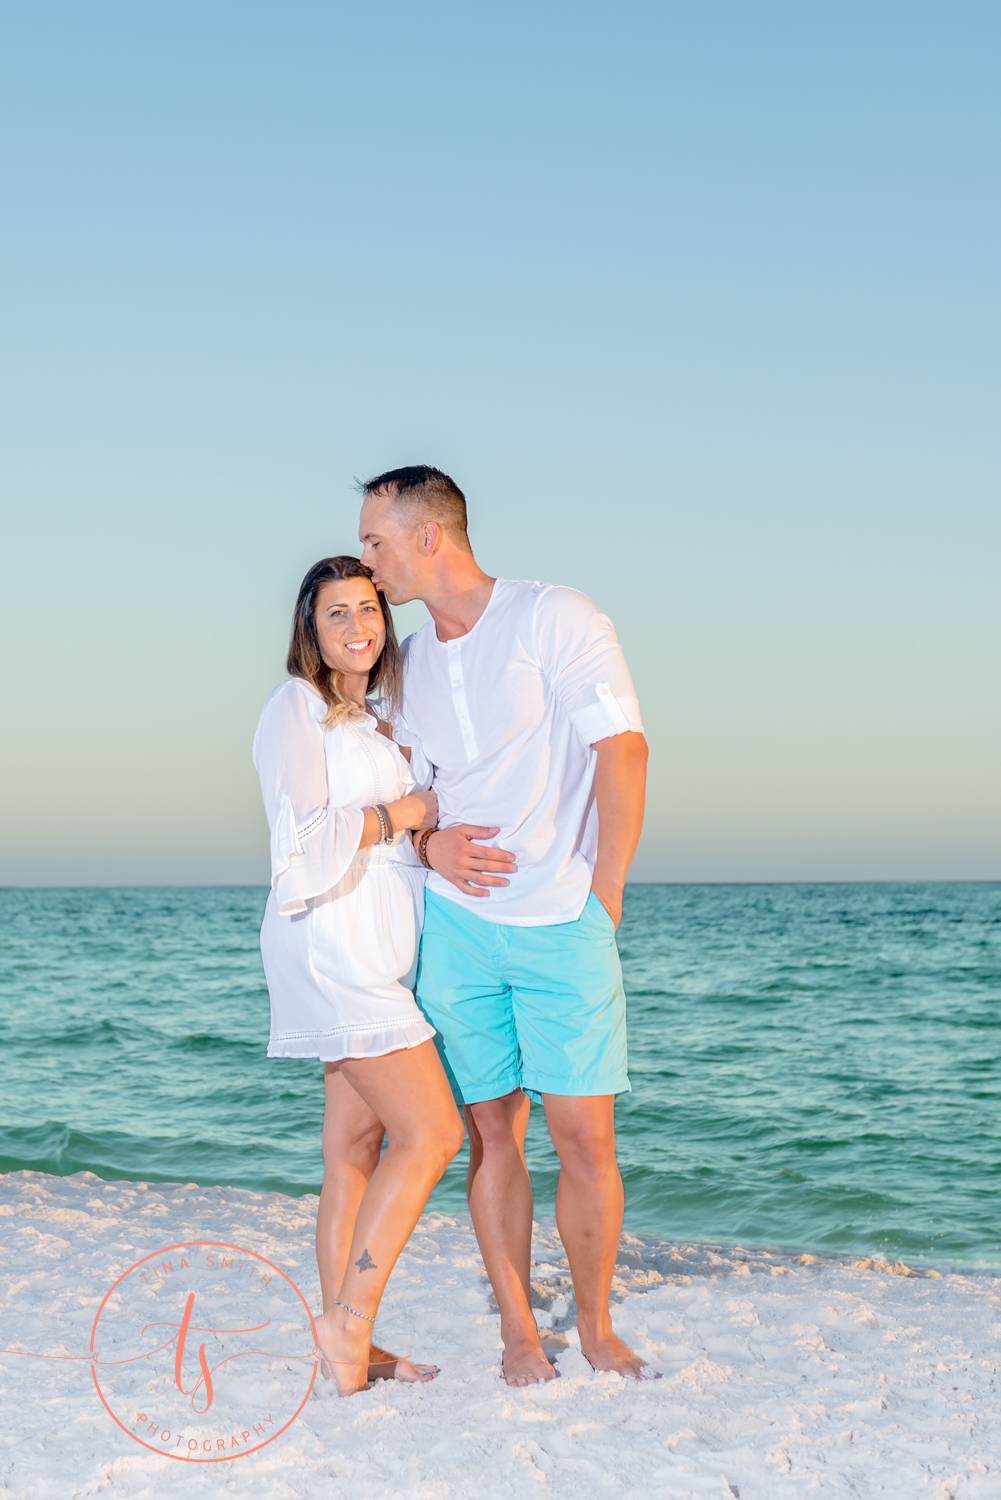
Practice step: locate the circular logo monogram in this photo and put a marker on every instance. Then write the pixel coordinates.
(204, 1351)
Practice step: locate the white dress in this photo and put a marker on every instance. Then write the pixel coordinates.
(342, 924)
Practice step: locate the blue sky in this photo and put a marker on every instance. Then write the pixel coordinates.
(697, 302)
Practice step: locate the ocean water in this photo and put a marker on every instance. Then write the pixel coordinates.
(814, 1067)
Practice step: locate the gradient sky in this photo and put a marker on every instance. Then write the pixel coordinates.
(698, 303)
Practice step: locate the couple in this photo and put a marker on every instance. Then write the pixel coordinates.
(511, 716)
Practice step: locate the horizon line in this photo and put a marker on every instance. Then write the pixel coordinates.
(248, 885)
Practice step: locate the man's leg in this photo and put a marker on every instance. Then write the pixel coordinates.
(589, 1203)
(465, 997)
(500, 1201)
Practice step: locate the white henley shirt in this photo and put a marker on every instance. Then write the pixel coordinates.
(502, 722)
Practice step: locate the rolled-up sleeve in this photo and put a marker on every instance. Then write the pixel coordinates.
(581, 656)
(312, 841)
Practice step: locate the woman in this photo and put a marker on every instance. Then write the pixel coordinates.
(339, 943)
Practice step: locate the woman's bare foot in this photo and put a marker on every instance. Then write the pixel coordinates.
(386, 1366)
(524, 1363)
(610, 1353)
(343, 1342)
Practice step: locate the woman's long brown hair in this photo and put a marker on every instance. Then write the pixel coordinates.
(306, 660)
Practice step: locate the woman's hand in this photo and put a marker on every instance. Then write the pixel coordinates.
(419, 810)
(429, 800)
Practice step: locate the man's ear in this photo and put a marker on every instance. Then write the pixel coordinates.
(430, 538)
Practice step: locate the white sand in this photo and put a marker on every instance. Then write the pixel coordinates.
(778, 1380)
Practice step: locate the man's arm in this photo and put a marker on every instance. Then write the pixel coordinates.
(620, 791)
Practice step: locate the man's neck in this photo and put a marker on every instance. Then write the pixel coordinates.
(460, 593)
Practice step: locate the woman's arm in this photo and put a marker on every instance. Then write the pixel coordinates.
(419, 810)
(312, 840)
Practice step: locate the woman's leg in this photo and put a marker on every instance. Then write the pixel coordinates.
(352, 1140)
(408, 1092)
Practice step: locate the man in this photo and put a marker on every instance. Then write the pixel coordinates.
(518, 697)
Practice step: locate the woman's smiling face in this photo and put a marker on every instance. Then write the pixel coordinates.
(349, 625)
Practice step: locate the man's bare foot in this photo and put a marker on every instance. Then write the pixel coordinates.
(610, 1353)
(386, 1366)
(344, 1350)
(524, 1363)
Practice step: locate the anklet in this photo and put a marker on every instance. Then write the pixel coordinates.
(357, 1314)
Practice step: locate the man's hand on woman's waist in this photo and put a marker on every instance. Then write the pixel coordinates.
(451, 853)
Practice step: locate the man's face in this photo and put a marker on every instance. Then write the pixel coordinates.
(390, 547)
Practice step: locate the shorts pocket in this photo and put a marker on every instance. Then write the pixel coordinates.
(599, 911)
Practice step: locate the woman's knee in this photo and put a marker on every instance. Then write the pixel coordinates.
(354, 1150)
(455, 1137)
(447, 1139)
(433, 1143)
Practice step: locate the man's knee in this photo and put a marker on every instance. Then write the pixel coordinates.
(494, 1123)
(584, 1141)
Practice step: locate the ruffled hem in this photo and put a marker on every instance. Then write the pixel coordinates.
(351, 1041)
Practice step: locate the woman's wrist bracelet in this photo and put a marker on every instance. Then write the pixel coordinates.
(422, 845)
(386, 832)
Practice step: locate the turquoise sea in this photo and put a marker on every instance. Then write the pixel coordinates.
(814, 1067)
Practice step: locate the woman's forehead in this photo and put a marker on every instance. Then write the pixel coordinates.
(345, 590)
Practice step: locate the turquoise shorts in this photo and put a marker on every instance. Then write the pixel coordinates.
(536, 1008)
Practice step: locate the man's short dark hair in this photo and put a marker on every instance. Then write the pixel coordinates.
(428, 494)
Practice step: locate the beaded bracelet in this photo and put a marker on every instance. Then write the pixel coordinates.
(385, 823)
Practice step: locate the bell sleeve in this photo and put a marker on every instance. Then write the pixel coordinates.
(312, 841)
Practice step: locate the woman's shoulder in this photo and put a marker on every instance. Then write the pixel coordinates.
(295, 697)
(293, 688)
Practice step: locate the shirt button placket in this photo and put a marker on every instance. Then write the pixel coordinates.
(457, 683)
